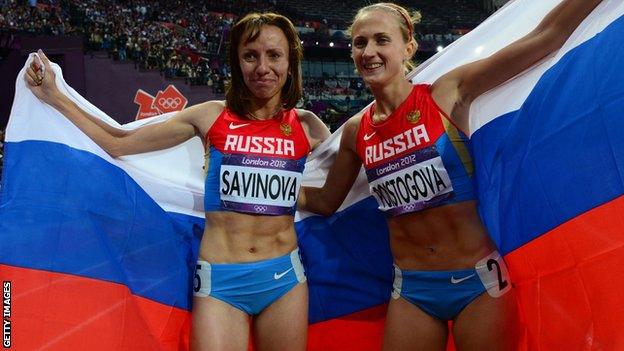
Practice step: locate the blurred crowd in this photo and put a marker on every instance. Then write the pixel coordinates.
(180, 38)
(44, 18)
(186, 39)
(176, 39)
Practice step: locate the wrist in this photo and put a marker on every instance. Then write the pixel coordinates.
(59, 101)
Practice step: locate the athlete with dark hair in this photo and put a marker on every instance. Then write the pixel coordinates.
(257, 143)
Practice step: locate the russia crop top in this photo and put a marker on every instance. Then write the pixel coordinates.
(255, 166)
(416, 159)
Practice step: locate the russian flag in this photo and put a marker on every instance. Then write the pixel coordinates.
(549, 171)
(100, 251)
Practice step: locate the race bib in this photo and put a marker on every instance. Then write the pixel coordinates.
(258, 184)
(410, 183)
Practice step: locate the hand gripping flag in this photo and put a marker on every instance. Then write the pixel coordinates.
(100, 251)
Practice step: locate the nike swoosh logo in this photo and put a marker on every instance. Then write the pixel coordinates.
(236, 126)
(367, 137)
(457, 281)
(278, 276)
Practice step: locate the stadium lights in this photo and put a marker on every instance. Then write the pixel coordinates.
(331, 44)
(317, 43)
(440, 48)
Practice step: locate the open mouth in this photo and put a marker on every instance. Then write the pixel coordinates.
(372, 66)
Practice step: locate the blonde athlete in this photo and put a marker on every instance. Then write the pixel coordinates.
(411, 142)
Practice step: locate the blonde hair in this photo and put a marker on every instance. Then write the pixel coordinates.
(405, 20)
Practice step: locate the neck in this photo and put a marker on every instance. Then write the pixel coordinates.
(389, 96)
(265, 109)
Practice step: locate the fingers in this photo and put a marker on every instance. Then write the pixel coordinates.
(34, 75)
(35, 69)
(44, 58)
(30, 72)
(32, 81)
(35, 65)
(41, 68)
(38, 65)
(35, 82)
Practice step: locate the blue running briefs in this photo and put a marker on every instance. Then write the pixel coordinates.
(444, 294)
(250, 287)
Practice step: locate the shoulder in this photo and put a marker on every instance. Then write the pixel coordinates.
(202, 116)
(203, 110)
(352, 125)
(445, 91)
(213, 108)
(350, 131)
(315, 129)
(309, 119)
(306, 116)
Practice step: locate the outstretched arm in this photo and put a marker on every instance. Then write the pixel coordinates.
(455, 91)
(114, 141)
(341, 176)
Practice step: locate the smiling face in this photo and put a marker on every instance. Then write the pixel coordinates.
(264, 63)
(378, 48)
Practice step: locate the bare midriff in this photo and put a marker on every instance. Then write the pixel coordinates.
(232, 237)
(441, 238)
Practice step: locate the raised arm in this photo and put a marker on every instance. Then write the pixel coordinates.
(455, 91)
(116, 142)
(341, 176)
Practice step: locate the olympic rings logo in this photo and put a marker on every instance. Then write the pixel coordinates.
(260, 208)
(169, 102)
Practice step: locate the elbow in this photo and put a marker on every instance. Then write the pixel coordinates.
(312, 200)
(114, 148)
(114, 153)
(550, 39)
(328, 209)
(325, 211)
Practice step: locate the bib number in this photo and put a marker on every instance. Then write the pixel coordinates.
(502, 282)
(493, 274)
(197, 279)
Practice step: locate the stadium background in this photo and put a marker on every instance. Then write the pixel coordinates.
(109, 50)
(555, 193)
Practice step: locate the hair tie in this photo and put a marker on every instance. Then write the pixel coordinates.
(410, 26)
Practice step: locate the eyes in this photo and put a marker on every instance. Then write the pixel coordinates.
(252, 56)
(380, 40)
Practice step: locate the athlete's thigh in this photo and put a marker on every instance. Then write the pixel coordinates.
(409, 328)
(218, 326)
(284, 324)
(489, 323)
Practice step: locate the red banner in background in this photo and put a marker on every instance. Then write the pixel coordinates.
(168, 100)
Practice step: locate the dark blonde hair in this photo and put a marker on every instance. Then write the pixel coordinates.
(405, 20)
(246, 30)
